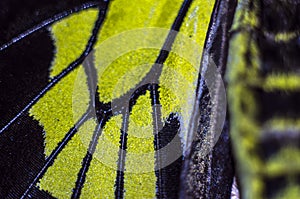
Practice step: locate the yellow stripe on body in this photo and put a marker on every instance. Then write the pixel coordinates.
(282, 37)
(245, 80)
(286, 82)
(280, 124)
(291, 192)
(244, 16)
(286, 163)
(244, 127)
(243, 106)
(287, 160)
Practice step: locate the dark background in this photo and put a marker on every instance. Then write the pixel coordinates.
(23, 73)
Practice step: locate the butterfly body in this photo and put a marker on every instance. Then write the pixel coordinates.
(262, 81)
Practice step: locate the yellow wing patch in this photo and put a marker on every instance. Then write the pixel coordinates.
(140, 151)
(101, 175)
(61, 177)
(179, 77)
(62, 106)
(54, 111)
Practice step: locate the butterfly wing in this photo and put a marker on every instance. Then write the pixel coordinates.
(53, 116)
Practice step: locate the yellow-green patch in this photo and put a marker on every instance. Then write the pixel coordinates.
(179, 76)
(245, 17)
(284, 82)
(291, 192)
(244, 78)
(55, 111)
(66, 102)
(70, 38)
(60, 178)
(282, 36)
(281, 125)
(102, 173)
(130, 68)
(140, 152)
(287, 160)
(243, 106)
